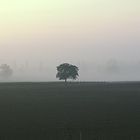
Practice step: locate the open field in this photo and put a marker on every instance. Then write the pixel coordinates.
(76, 111)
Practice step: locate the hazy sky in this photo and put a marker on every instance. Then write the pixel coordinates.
(82, 32)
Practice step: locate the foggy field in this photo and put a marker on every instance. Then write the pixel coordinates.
(76, 111)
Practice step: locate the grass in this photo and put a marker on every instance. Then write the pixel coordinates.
(55, 111)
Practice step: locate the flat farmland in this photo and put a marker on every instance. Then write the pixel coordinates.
(72, 111)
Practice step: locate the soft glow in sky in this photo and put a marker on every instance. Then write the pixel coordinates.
(31, 17)
(76, 31)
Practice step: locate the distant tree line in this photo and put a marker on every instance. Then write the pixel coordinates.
(65, 71)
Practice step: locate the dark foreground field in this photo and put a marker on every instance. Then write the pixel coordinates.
(76, 111)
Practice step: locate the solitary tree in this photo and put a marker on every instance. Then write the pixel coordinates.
(67, 71)
(5, 71)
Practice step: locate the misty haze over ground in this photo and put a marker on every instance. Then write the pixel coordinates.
(110, 71)
(100, 37)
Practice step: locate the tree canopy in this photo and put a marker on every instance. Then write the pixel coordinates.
(67, 71)
(5, 71)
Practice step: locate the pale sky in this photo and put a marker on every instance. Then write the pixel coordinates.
(82, 32)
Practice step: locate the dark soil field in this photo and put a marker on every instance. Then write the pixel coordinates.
(76, 111)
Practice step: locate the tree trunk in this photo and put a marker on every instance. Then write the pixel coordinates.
(65, 80)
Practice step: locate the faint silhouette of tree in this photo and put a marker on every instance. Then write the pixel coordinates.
(67, 71)
(5, 71)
